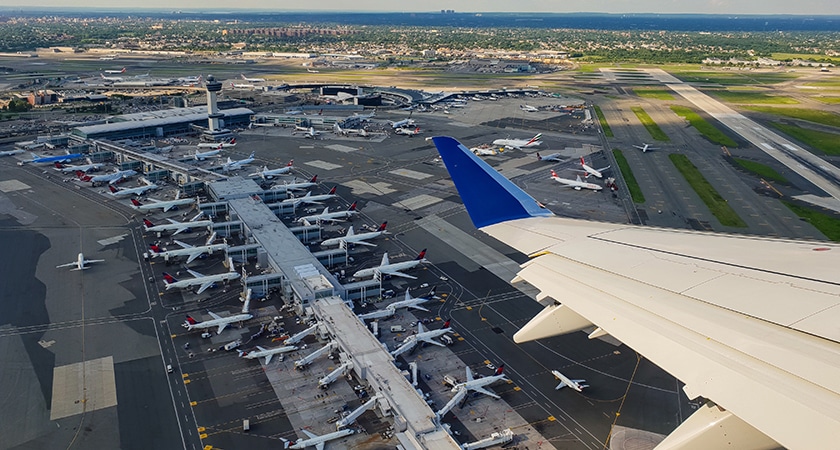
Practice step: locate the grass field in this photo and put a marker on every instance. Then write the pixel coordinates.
(827, 224)
(632, 185)
(761, 170)
(829, 143)
(603, 120)
(827, 100)
(750, 97)
(705, 128)
(811, 115)
(834, 82)
(650, 125)
(806, 56)
(713, 200)
(654, 93)
(735, 77)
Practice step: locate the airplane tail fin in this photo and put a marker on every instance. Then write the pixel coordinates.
(446, 324)
(535, 138)
(292, 163)
(233, 141)
(582, 161)
(332, 191)
(191, 321)
(58, 165)
(314, 178)
(489, 197)
(539, 158)
(169, 279)
(135, 202)
(113, 189)
(154, 249)
(352, 207)
(421, 256)
(147, 223)
(500, 370)
(382, 227)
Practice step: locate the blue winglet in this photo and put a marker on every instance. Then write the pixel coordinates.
(489, 197)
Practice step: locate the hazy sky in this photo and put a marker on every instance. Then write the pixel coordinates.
(831, 7)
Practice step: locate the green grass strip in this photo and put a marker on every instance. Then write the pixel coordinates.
(604, 125)
(827, 224)
(713, 200)
(820, 140)
(762, 170)
(705, 128)
(811, 115)
(632, 185)
(650, 125)
(654, 93)
(752, 97)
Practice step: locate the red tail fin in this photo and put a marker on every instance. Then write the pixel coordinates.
(553, 173)
(191, 321)
(332, 191)
(539, 158)
(58, 166)
(582, 161)
(112, 188)
(500, 370)
(154, 248)
(233, 141)
(382, 227)
(314, 179)
(169, 279)
(135, 202)
(422, 254)
(446, 324)
(291, 163)
(147, 223)
(352, 207)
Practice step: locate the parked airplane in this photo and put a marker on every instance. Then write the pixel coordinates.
(403, 123)
(312, 70)
(201, 156)
(190, 80)
(236, 165)
(241, 86)
(67, 168)
(413, 302)
(164, 205)
(327, 216)
(203, 282)
(554, 157)
(51, 159)
(252, 80)
(190, 251)
(423, 335)
(177, 227)
(110, 78)
(11, 152)
(576, 184)
(519, 144)
(297, 185)
(80, 263)
(218, 321)
(480, 384)
(683, 316)
(352, 238)
(115, 72)
(109, 178)
(267, 353)
(311, 199)
(231, 143)
(645, 147)
(395, 269)
(140, 190)
(590, 171)
(528, 108)
(310, 133)
(267, 173)
(577, 385)
(407, 131)
(316, 441)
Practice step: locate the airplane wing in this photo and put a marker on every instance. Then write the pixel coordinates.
(561, 385)
(89, 261)
(432, 341)
(268, 358)
(747, 322)
(183, 244)
(485, 392)
(214, 315)
(419, 307)
(195, 274)
(193, 256)
(74, 263)
(309, 434)
(320, 446)
(168, 207)
(204, 287)
(173, 221)
(221, 328)
(361, 242)
(396, 273)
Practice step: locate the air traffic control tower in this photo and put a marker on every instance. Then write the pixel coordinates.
(215, 127)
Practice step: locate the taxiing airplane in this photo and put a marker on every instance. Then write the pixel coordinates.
(203, 282)
(310, 199)
(11, 152)
(80, 263)
(316, 441)
(140, 190)
(481, 384)
(519, 144)
(296, 185)
(109, 178)
(51, 159)
(309, 133)
(252, 80)
(403, 123)
(164, 205)
(190, 80)
(554, 157)
(115, 72)
(190, 251)
(236, 165)
(267, 173)
(327, 216)
(241, 86)
(267, 353)
(177, 227)
(407, 131)
(413, 302)
(423, 335)
(528, 108)
(231, 143)
(767, 368)
(576, 184)
(110, 78)
(387, 268)
(577, 385)
(219, 322)
(645, 147)
(67, 168)
(201, 156)
(352, 238)
(590, 171)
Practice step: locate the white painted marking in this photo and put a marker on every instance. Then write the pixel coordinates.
(766, 145)
(13, 185)
(410, 174)
(322, 165)
(112, 240)
(360, 187)
(417, 202)
(342, 148)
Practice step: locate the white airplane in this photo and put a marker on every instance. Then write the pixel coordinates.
(267, 353)
(236, 165)
(110, 78)
(352, 238)
(645, 147)
(311, 199)
(140, 190)
(175, 226)
(484, 151)
(241, 86)
(36, 159)
(576, 184)
(769, 368)
(327, 216)
(164, 205)
(309, 133)
(267, 173)
(252, 80)
(480, 384)
(203, 282)
(554, 157)
(423, 335)
(218, 321)
(519, 144)
(201, 156)
(413, 302)
(528, 108)
(115, 72)
(109, 178)
(590, 171)
(316, 441)
(312, 70)
(190, 251)
(403, 123)
(11, 152)
(297, 185)
(395, 269)
(231, 143)
(67, 168)
(577, 385)
(407, 131)
(80, 263)
(190, 80)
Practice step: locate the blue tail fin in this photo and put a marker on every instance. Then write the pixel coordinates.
(489, 197)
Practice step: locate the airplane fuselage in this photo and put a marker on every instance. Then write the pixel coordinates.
(213, 323)
(208, 249)
(385, 270)
(166, 205)
(178, 226)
